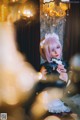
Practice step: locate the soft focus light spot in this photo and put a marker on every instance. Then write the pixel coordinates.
(39, 75)
(9, 95)
(18, 11)
(38, 109)
(52, 118)
(27, 13)
(75, 62)
(17, 77)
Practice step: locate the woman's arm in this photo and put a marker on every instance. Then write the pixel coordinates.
(43, 72)
(63, 73)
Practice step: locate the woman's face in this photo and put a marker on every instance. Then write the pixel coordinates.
(56, 51)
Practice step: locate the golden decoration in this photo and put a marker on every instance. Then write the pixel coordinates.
(13, 10)
(53, 9)
(3, 12)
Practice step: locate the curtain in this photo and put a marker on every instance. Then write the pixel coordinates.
(28, 38)
(72, 32)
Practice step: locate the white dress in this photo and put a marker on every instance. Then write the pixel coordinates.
(57, 106)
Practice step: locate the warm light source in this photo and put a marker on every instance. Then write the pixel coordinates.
(52, 8)
(3, 12)
(27, 13)
(13, 10)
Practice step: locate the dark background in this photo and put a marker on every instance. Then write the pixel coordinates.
(72, 32)
(28, 37)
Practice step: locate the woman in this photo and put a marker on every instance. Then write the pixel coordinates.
(51, 52)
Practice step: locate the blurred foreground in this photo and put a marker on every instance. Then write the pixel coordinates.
(20, 95)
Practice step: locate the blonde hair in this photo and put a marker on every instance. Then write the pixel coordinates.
(47, 44)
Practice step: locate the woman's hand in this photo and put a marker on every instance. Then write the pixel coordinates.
(61, 69)
(63, 75)
(43, 72)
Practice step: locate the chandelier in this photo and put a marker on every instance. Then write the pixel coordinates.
(55, 8)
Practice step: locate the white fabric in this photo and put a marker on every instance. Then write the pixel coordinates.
(57, 106)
